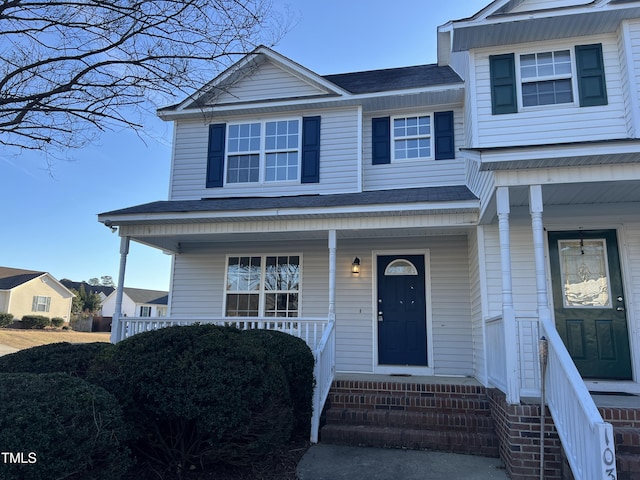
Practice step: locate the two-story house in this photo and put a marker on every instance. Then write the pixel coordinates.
(427, 221)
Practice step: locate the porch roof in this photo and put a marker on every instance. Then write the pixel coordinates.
(241, 208)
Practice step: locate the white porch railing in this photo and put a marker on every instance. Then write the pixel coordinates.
(496, 355)
(318, 333)
(587, 440)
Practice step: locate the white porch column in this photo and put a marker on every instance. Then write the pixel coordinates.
(536, 207)
(116, 334)
(332, 275)
(508, 312)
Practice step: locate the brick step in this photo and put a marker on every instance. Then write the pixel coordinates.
(484, 444)
(427, 420)
(356, 387)
(627, 440)
(628, 466)
(409, 401)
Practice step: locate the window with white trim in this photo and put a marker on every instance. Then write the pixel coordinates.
(546, 78)
(262, 152)
(263, 286)
(40, 303)
(145, 311)
(412, 137)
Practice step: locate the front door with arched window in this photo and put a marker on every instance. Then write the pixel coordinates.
(401, 310)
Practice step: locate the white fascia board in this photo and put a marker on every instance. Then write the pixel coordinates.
(550, 151)
(305, 103)
(287, 212)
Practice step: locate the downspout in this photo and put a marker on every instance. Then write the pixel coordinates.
(332, 275)
(116, 334)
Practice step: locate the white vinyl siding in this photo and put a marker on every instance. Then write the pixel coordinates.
(632, 83)
(552, 123)
(268, 82)
(477, 317)
(413, 173)
(338, 159)
(199, 288)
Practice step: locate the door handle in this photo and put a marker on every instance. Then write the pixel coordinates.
(620, 309)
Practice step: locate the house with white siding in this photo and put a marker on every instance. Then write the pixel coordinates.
(428, 230)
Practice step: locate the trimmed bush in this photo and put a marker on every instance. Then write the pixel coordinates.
(198, 395)
(37, 322)
(74, 359)
(57, 322)
(296, 359)
(6, 319)
(63, 427)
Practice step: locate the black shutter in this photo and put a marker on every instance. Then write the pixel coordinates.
(592, 86)
(444, 139)
(310, 150)
(381, 140)
(503, 84)
(215, 155)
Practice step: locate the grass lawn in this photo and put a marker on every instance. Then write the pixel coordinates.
(30, 338)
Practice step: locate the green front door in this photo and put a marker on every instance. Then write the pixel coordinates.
(589, 302)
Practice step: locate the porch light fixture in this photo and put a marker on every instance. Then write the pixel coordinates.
(355, 266)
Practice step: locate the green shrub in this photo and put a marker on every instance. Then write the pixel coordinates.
(296, 359)
(38, 322)
(6, 319)
(74, 359)
(66, 427)
(198, 395)
(57, 322)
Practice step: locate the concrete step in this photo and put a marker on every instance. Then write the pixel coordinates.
(418, 420)
(484, 444)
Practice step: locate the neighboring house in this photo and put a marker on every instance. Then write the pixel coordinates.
(484, 202)
(101, 290)
(137, 302)
(28, 292)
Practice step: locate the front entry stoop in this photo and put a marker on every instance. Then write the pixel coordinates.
(422, 413)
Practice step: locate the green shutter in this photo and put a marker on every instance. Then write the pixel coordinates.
(503, 84)
(381, 140)
(215, 155)
(592, 86)
(310, 150)
(444, 139)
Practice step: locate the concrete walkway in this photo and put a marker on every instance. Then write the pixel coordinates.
(331, 462)
(5, 349)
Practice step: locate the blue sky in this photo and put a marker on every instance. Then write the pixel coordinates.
(50, 206)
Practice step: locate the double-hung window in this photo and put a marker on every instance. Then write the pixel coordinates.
(263, 286)
(262, 152)
(145, 311)
(411, 137)
(40, 303)
(546, 78)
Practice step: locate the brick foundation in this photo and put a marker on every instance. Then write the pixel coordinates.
(518, 429)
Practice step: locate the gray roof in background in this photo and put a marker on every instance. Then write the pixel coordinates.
(152, 297)
(71, 285)
(390, 79)
(12, 277)
(379, 197)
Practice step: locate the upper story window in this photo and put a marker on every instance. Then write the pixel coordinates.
(546, 78)
(412, 137)
(263, 152)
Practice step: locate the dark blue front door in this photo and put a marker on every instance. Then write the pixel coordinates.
(402, 326)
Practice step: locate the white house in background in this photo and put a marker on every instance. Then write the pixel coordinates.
(436, 219)
(137, 302)
(29, 292)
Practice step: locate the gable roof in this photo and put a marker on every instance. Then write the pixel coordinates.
(507, 22)
(329, 87)
(89, 288)
(13, 277)
(151, 297)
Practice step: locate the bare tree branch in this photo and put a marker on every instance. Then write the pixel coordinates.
(69, 69)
